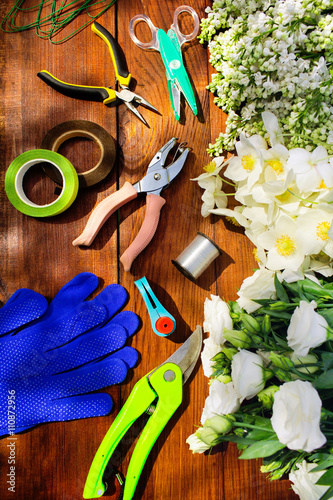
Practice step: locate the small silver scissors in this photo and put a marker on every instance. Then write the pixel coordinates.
(169, 45)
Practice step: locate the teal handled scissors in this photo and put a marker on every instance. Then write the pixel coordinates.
(159, 394)
(169, 45)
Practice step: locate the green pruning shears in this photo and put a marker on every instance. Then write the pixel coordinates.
(169, 45)
(159, 394)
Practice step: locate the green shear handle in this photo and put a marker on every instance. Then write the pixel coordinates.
(164, 383)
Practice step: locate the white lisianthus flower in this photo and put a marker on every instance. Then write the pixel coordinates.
(272, 126)
(247, 165)
(313, 230)
(210, 350)
(296, 416)
(310, 169)
(307, 328)
(222, 400)
(285, 250)
(247, 374)
(258, 286)
(196, 445)
(304, 481)
(216, 318)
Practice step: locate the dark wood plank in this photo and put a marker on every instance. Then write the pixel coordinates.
(53, 460)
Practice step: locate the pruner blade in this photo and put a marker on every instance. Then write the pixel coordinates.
(188, 353)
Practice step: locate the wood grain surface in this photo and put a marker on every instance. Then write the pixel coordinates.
(52, 460)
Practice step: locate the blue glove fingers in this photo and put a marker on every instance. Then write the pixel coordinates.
(113, 297)
(71, 294)
(29, 351)
(129, 320)
(86, 348)
(128, 354)
(87, 378)
(89, 405)
(58, 410)
(23, 306)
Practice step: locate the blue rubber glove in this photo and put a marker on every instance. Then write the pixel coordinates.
(48, 367)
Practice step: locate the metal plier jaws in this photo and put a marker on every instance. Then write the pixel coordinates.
(159, 394)
(157, 178)
(103, 94)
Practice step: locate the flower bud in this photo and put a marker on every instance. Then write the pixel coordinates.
(305, 364)
(266, 324)
(250, 323)
(229, 352)
(220, 424)
(283, 376)
(278, 306)
(266, 396)
(224, 378)
(237, 338)
(196, 445)
(207, 435)
(281, 361)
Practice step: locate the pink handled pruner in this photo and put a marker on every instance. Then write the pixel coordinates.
(157, 178)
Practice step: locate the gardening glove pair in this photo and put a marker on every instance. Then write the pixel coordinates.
(52, 357)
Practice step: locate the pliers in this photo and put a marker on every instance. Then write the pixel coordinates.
(152, 184)
(103, 94)
(158, 394)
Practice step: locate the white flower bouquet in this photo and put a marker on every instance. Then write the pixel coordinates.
(270, 367)
(272, 55)
(285, 198)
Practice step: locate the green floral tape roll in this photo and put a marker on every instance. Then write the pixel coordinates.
(14, 183)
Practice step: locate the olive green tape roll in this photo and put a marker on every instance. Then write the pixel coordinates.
(14, 183)
(82, 128)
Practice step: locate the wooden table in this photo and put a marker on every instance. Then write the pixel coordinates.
(52, 460)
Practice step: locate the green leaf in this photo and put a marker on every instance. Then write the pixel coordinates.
(327, 358)
(327, 313)
(276, 314)
(280, 291)
(325, 464)
(325, 380)
(327, 478)
(258, 435)
(262, 449)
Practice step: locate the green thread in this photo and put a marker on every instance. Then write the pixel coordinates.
(48, 24)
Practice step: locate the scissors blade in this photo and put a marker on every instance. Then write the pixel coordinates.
(187, 355)
(174, 95)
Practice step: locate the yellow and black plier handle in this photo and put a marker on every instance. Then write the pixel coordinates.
(89, 93)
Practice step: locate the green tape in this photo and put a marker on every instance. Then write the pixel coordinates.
(14, 183)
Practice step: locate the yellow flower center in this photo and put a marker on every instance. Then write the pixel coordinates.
(322, 185)
(255, 254)
(284, 197)
(233, 221)
(285, 246)
(210, 168)
(248, 162)
(322, 230)
(277, 166)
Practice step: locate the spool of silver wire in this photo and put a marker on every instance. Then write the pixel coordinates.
(199, 254)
